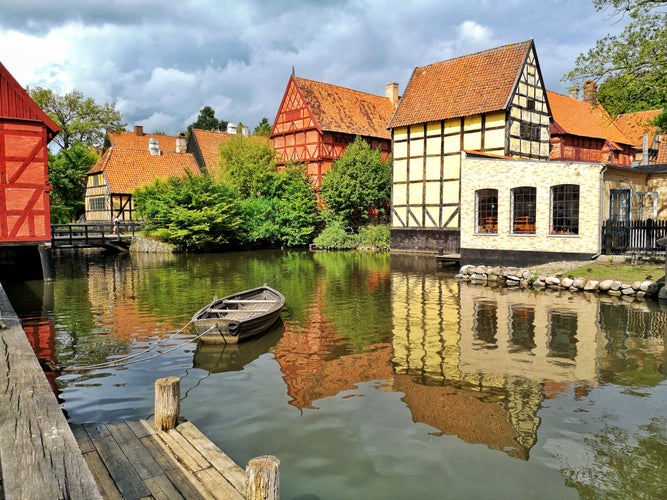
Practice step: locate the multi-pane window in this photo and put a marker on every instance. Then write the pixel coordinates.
(523, 201)
(486, 210)
(565, 209)
(96, 203)
(529, 131)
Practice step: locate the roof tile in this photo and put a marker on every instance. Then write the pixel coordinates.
(339, 109)
(468, 85)
(635, 125)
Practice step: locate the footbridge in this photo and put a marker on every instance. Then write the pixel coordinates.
(94, 235)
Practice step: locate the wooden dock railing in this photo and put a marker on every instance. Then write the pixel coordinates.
(87, 235)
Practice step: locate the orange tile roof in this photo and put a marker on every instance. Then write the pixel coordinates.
(209, 143)
(468, 85)
(130, 140)
(635, 125)
(574, 117)
(339, 109)
(128, 169)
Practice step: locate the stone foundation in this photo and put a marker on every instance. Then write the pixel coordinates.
(143, 244)
(522, 278)
(422, 240)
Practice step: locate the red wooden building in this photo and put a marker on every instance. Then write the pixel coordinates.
(25, 222)
(316, 121)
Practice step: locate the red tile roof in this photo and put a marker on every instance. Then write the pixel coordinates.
(128, 169)
(469, 85)
(339, 109)
(635, 125)
(574, 117)
(209, 143)
(130, 140)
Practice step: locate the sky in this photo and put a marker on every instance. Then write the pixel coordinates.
(162, 61)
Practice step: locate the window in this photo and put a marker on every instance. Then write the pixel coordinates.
(530, 104)
(619, 205)
(96, 203)
(523, 210)
(529, 131)
(486, 210)
(565, 209)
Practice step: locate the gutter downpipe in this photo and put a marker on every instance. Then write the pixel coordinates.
(602, 172)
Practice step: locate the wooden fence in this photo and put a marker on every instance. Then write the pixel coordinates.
(641, 236)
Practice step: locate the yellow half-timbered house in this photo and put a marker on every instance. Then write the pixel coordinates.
(492, 102)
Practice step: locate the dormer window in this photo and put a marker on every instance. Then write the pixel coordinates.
(153, 146)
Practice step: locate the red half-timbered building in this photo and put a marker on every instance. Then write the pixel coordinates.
(25, 223)
(316, 121)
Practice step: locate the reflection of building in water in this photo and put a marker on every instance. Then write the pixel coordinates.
(316, 363)
(479, 361)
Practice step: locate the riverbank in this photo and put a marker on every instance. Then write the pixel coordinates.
(638, 279)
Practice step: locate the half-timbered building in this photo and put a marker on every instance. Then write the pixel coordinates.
(582, 130)
(133, 160)
(25, 222)
(316, 121)
(492, 102)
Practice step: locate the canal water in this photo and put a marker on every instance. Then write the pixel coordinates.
(386, 377)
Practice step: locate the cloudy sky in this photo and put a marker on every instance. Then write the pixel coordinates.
(161, 61)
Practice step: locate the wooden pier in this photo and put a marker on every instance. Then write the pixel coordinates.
(132, 460)
(91, 235)
(42, 457)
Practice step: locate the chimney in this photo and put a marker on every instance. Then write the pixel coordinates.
(231, 128)
(181, 145)
(574, 92)
(153, 146)
(590, 92)
(391, 92)
(139, 130)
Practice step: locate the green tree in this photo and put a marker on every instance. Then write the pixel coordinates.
(263, 128)
(196, 213)
(358, 185)
(207, 120)
(631, 68)
(67, 176)
(80, 118)
(248, 165)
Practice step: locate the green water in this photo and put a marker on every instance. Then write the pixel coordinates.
(385, 379)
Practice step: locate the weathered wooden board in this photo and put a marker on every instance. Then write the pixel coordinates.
(39, 456)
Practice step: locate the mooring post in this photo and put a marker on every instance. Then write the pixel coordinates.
(262, 478)
(167, 403)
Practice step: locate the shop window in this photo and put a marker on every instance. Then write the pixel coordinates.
(523, 201)
(565, 209)
(486, 211)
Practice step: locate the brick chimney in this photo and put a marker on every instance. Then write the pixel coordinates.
(181, 145)
(139, 130)
(391, 92)
(591, 92)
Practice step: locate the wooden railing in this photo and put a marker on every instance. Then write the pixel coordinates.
(620, 237)
(99, 234)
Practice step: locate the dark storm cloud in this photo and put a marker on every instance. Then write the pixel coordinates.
(162, 61)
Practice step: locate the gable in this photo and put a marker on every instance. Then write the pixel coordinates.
(16, 103)
(331, 108)
(475, 84)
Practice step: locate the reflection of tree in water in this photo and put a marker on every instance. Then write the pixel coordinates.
(624, 465)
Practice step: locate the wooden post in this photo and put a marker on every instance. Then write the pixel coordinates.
(167, 403)
(262, 478)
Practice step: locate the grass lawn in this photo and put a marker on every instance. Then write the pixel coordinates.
(619, 270)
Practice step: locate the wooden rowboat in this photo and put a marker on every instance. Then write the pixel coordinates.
(239, 316)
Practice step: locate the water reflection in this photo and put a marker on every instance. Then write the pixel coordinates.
(384, 369)
(478, 362)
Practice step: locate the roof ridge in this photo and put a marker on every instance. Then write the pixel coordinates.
(341, 87)
(479, 52)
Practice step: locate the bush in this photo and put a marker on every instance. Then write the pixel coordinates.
(335, 237)
(374, 237)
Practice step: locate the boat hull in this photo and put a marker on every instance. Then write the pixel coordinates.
(238, 317)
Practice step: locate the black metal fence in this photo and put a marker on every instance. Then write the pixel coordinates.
(641, 236)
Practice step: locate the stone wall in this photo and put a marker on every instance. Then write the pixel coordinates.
(143, 244)
(425, 240)
(519, 277)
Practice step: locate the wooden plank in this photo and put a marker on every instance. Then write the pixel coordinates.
(123, 473)
(141, 460)
(38, 452)
(186, 453)
(162, 488)
(221, 461)
(104, 480)
(182, 479)
(217, 485)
